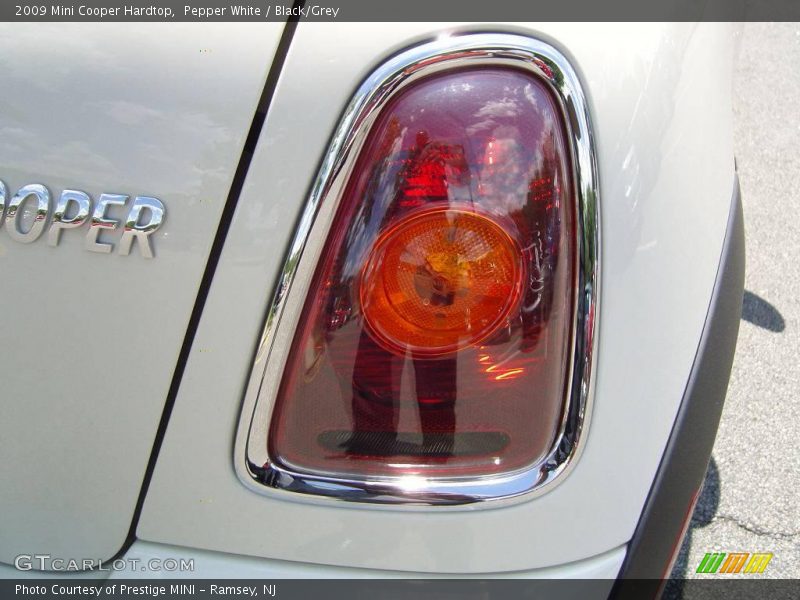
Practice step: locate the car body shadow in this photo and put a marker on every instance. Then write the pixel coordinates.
(761, 313)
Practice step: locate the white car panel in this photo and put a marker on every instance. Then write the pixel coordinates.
(147, 560)
(659, 98)
(90, 341)
(216, 565)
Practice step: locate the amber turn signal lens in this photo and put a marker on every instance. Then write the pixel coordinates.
(440, 280)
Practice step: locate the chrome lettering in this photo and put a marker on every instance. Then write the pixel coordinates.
(142, 231)
(60, 219)
(27, 213)
(13, 222)
(100, 222)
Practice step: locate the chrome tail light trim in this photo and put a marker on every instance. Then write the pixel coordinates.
(251, 459)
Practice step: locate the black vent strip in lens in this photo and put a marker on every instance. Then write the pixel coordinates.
(226, 218)
(413, 444)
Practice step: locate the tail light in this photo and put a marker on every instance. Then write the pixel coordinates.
(433, 343)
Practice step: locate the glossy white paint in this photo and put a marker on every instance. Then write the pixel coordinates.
(90, 341)
(661, 107)
(217, 565)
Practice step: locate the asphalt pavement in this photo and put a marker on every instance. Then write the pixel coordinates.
(751, 499)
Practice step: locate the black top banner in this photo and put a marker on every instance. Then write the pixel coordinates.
(402, 10)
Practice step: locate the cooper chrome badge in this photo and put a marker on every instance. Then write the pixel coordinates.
(74, 209)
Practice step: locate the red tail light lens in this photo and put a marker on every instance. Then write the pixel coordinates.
(436, 337)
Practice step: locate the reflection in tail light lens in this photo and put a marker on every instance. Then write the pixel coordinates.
(435, 339)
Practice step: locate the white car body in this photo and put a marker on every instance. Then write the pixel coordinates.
(91, 340)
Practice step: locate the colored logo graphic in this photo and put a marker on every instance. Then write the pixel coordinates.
(734, 562)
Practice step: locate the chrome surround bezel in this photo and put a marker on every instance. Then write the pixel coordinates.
(252, 462)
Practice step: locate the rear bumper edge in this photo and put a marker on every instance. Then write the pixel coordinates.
(682, 470)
